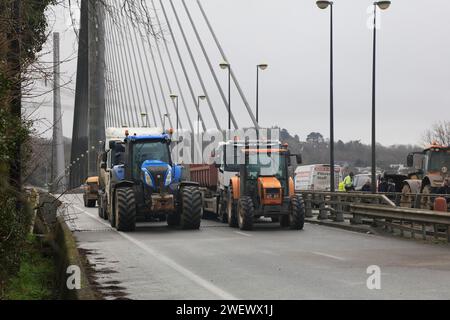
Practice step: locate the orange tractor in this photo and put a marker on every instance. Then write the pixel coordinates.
(431, 167)
(263, 188)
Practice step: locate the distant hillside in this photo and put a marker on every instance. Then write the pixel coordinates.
(315, 149)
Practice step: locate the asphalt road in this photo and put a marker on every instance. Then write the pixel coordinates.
(218, 262)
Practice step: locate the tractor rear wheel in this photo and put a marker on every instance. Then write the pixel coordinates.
(125, 209)
(406, 198)
(246, 213)
(296, 213)
(426, 202)
(191, 208)
(101, 209)
(231, 210)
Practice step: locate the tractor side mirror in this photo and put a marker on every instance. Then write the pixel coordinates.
(299, 158)
(410, 160)
(112, 145)
(103, 165)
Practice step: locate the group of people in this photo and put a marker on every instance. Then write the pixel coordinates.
(385, 185)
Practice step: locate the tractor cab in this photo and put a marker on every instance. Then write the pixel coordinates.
(430, 165)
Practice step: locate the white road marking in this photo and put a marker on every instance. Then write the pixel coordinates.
(169, 262)
(243, 233)
(328, 255)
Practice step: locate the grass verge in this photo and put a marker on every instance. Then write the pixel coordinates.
(36, 277)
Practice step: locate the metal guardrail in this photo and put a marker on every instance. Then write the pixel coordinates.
(381, 208)
(394, 218)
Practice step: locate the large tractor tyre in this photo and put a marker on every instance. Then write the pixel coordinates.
(101, 209)
(425, 201)
(296, 213)
(232, 209)
(125, 209)
(406, 197)
(246, 213)
(191, 208)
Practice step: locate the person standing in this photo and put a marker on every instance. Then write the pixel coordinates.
(348, 182)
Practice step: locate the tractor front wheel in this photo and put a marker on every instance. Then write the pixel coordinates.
(296, 213)
(246, 213)
(191, 208)
(125, 209)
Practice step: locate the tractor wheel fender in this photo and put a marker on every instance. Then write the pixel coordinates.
(236, 187)
(291, 187)
(414, 185)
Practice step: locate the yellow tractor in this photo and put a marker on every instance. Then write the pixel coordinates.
(263, 188)
(431, 167)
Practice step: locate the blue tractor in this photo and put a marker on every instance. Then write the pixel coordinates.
(143, 182)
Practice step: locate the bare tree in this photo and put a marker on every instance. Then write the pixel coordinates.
(439, 133)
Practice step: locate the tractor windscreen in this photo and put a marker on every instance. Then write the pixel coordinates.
(266, 164)
(439, 160)
(149, 150)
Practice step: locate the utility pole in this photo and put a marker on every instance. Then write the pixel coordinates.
(96, 82)
(58, 140)
(15, 70)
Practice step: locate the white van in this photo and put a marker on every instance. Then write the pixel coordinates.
(316, 177)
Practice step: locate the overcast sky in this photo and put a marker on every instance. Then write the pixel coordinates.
(292, 36)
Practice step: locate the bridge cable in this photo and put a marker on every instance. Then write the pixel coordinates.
(110, 88)
(195, 65)
(123, 91)
(183, 67)
(130, 65)
(167, 78)
(158, 77)
(169, 55)
(124, 53)
(145, 77)
(216, 80)
(236, 82)
(137, 67)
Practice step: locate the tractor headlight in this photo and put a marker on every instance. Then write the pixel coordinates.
(168, 177)
(148, 180)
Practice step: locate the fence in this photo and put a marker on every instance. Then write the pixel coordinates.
(382, 209)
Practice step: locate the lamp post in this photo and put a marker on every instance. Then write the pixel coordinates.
(226, 65)
(202, 97)
(324, 5)
(145, 120)
(166, 115)
(262, 66)
(175, 98)
(383, 5)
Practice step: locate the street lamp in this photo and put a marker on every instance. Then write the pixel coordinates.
(225, 65)
(383, 5)
(324, 5)
(174, 97)
(166, 115)
(146, 121)
(262, 66)
(202, 97)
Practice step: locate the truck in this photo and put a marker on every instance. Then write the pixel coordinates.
(90, 192)
(316, 177)
(256, 184)
(139, 180)
(430, 168)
